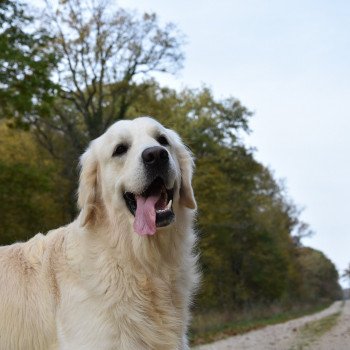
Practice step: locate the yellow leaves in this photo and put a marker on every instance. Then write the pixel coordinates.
(16, 145)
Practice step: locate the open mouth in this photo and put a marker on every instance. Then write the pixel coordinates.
(152, 208)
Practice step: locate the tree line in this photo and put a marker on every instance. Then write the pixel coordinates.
(64, 78)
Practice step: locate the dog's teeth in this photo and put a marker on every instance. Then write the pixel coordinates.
(169, 204)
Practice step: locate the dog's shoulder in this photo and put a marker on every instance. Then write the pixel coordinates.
(29, 256)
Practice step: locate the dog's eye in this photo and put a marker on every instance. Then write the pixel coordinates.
(163, 140)
(120, 150)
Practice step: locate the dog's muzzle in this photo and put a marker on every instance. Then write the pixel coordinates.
(152, 207)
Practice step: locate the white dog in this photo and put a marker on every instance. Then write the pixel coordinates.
(121, 275)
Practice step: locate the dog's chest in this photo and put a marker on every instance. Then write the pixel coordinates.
(149, 308)
(126, 310)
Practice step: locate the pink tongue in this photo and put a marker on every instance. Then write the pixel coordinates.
(145, 216)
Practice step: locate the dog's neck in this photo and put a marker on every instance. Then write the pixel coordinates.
(163, 250)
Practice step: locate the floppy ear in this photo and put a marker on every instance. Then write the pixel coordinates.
(186, 190)
(186, 166)
(88, 188)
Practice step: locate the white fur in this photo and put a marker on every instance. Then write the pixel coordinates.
(95, 284)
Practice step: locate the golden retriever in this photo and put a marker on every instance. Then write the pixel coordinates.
(122, 274)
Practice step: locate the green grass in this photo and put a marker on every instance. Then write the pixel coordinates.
(218, 325)
(311, 331)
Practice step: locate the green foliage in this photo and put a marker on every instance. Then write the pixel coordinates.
(25, 63)
(30, 191)
(320, 277)
(19, 185)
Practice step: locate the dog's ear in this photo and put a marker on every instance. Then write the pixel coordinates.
(88, 188)
(186, 167)
(186, 190)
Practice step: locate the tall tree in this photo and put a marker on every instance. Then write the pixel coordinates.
(105, 59)
(106, 55)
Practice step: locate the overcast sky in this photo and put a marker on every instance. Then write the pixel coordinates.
(289, 62)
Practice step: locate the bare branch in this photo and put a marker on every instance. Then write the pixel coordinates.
(103, 52)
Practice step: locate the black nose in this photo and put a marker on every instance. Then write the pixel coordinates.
(155, 156)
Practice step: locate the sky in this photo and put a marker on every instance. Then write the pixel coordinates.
(289, 63)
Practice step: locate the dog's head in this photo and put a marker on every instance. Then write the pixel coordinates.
(136, 168)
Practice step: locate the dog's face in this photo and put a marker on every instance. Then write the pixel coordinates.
(138, 168)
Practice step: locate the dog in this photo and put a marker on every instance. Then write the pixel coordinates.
(122, 275)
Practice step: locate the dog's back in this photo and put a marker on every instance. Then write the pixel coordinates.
(27, 296)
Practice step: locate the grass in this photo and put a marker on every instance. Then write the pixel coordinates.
(214, 326)
(311, 331)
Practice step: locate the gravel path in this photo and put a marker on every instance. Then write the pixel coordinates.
(285, 336)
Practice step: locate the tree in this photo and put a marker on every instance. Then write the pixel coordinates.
(320, 277)
(105, 57)
(346, 274)
(26, 62)
(31, 191)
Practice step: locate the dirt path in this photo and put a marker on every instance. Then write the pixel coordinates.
(326, 330)
(338, 337)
